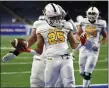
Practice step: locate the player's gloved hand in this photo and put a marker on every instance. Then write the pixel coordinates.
(10, 55)
(19, 44)
(21, 47)
(83, 39)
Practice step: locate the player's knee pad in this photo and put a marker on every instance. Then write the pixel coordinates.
(86, 76)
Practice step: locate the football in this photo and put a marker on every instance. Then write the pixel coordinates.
(18, 42)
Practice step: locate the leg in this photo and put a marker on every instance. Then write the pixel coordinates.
(59, 82)
(91, 62)
(37, 74)
(82, 62)
(90, 65)
(52, 71)
(67, 72)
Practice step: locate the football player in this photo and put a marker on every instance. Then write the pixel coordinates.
(88, 54)
(37, 74)
(36, 78)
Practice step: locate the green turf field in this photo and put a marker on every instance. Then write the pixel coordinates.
(16, 72)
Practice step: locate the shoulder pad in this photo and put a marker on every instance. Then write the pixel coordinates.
(38, 23)
(68, 25)
(103, 22)
(42, 28)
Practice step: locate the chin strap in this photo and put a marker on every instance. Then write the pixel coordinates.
(92, 21)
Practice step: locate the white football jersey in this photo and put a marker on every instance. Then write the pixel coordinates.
(37, 24)
(55, 39)
(92, 33)
(67, 25)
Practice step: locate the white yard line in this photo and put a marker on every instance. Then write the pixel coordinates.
(16, 63)
(24, 57)
(19, 63)
(6, 48)
(94, 85)
(27, 72)
(21, 58)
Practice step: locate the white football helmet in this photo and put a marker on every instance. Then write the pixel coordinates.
(92, 14)
(52, 14)
(42, 17)
(79, 18)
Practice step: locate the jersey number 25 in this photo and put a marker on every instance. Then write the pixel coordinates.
(56, 37)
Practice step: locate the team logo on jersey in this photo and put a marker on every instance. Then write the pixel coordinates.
(49, 58)
(91, 31)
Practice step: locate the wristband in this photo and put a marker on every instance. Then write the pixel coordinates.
(15, 52)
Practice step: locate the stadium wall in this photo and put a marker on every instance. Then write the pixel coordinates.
(15, 29)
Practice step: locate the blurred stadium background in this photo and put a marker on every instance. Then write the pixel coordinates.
(16, 19)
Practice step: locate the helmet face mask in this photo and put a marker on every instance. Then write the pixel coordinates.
(53, 14)
(54, 21)
(92, 14)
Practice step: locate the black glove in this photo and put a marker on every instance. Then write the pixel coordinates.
(15, 52)
(67, 17)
